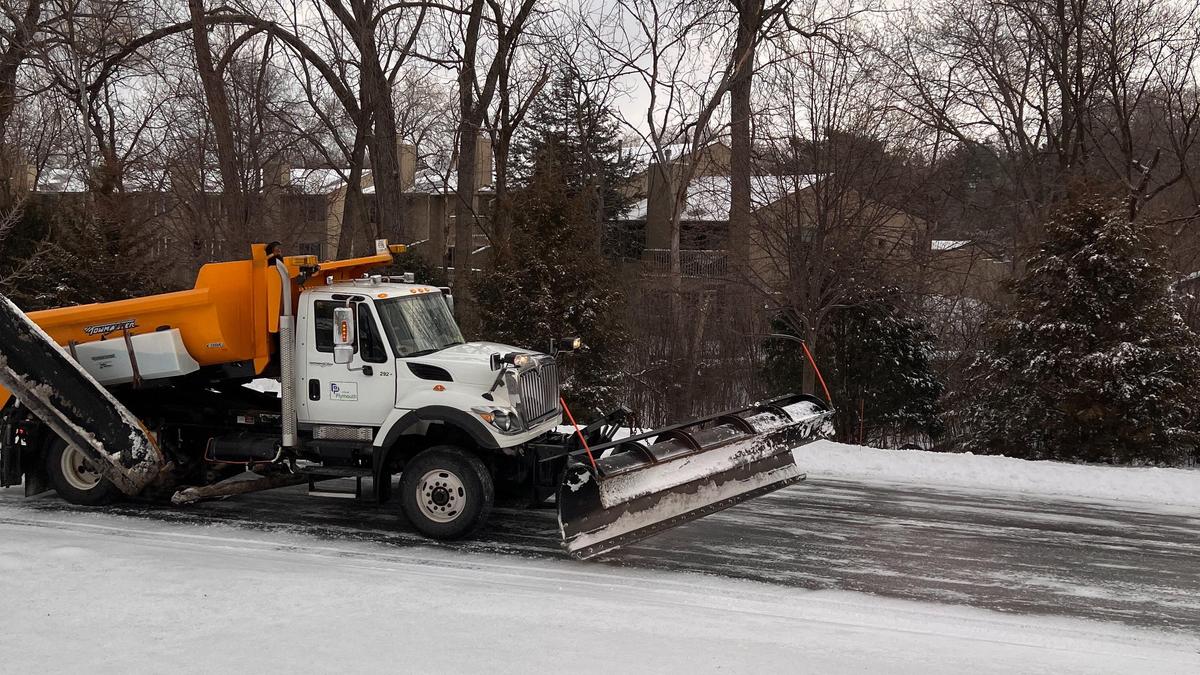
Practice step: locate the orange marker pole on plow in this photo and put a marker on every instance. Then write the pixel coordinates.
(578, 432)
(828, 398)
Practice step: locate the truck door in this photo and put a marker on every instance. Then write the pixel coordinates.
(362, 392)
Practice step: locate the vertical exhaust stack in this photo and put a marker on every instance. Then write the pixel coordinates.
(287, 361)
(47, 381)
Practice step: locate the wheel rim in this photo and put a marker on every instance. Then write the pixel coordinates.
(441, 496)
(78, 470)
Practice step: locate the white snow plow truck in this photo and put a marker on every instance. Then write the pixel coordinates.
(145, 399)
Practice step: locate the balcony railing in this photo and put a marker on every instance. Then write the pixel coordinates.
(696, 264)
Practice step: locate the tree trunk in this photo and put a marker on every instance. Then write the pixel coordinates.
(11, 60)
(501, 218)
(464, 207)
(376, 94)
(352, 209)
(470, 120)
(740, 112)
(218, 112)
(385, 162)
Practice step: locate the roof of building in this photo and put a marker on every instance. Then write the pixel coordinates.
(644, 155)
(320, 181)
(428, 182)
(708, 196)
(948, 244)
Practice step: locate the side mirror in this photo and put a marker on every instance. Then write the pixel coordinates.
(343, 335)
(569, 344)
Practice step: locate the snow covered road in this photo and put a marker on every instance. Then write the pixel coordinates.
(881, 561)
(1018, 553)
(93, 592)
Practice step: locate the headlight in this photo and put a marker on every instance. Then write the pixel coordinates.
(522, 360)
(504, 421)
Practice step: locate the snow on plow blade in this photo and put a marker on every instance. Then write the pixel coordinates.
(654, 481)
(47, 381)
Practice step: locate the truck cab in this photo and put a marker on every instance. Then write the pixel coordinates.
(405, 362)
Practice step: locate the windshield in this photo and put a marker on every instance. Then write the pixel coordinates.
(418, 324)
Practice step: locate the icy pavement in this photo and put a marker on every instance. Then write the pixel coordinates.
(990, 550)
(101, 593)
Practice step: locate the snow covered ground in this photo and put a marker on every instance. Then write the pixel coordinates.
(1144, 486)
(103, 593)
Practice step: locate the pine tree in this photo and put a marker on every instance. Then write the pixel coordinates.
(52, 255)
(877, 369)
(583, 134)
(1091, 361)
(552, 285)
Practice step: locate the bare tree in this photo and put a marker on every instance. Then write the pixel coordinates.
(218, 114)
(829, 225)
(1056, 90)
(478, 78)
(20, 29)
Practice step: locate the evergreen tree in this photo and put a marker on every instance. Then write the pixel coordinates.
(877, 369)
(52, 255)
(552, 286)
(1091, 361)
(583, 135)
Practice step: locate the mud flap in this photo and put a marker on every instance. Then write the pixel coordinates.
(67, 399)
(658, 480)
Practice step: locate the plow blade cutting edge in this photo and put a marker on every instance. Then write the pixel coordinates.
(657, 480)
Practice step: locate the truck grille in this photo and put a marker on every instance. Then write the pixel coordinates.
(539, 391)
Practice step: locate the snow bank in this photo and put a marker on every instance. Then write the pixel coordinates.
(1175, 487)
(106, 594)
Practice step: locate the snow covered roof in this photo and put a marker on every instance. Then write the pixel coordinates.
(320, 181)
(948, 244)
(644, 155)
(431, 182)
(67, 180)
(55, 179)
(708, 196)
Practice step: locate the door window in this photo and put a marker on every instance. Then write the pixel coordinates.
(323, 324)
(370, 342)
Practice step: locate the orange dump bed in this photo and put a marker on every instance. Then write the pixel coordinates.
(229, 316)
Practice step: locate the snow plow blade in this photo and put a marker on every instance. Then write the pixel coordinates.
(55, 388)
(654, 481)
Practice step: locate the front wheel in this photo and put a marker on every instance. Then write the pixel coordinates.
(76, 478)
(446, 492)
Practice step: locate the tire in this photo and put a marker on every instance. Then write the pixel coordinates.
(75, 479)
(446, 492)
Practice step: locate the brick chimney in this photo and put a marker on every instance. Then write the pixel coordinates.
(661, 185)
(407, 154)
(483, 160)
(276, 176)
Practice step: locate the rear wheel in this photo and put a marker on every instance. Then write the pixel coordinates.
(446, 492)
(76, 478)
